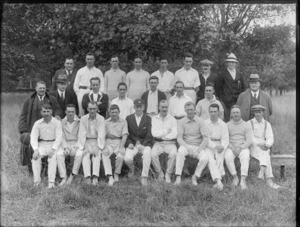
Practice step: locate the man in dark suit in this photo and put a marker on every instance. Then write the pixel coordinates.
(152, 97)
(139, 140)
(64, 96)
(97, 96)
(67, 70)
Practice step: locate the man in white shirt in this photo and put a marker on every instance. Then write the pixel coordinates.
(164, 132)
(125, 104)
(263, 140)
(177, 101)
(83, 77)
(113, 77)
(166, 78)
(189, 76)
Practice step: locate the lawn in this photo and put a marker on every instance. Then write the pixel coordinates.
(160, 204)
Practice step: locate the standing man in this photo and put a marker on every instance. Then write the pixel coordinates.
(166, 78)
(83, 77)
(192, 138)
(152, 97)
(45, 140)
(124, 103)
(178, 100)
(206, 76)
(231, 84)
(64, 96)
(113, 77)
(164, 132)
(240, 139)
(202, 108)
(189, 76)
(139, 140)
(254, 96)
(263, 140)
(96, 95)
(70, 128)
(91, 140)
(137, 80)
(116, 136)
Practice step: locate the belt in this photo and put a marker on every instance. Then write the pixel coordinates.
(91, 138)
(115, 138)
(178, 118)
(161, 140)
(41, 140)
(83, 87)
(215, 139)
(189, 88)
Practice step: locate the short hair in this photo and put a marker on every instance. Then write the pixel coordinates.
(214, 105)
(163, 57)
(179, 82)
(92, 103)
(153, 78)
(210, 84)
(40, 82)
(95, 78)
(235, 106)
(114, 56)
(138, 57)
(90, 54)
(69, 58)
(71, 105)
(122, 84)
(189, 104)
(46, 106)
(114, 107)
(187, 55)
(163, 101)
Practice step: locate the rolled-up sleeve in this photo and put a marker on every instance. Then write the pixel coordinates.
(34, 136)
(58, 135)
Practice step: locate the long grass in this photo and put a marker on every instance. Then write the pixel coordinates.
(159, 204)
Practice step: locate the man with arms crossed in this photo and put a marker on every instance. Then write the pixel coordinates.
(164, 132)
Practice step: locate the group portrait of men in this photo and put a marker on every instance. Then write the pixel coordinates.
(90, 117)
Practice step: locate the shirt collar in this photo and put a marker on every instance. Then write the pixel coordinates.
(257, 92)
(212, 100)
(210, 122)
(158, 116)
(138, 116)
(114, 70)
(152, 92)
(262, 121)
(100, 93)
(109, 119)
(76, 118)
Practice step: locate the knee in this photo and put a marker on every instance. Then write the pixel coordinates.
(203, 157)
(181, 151)
(173, 153)
(228, 155)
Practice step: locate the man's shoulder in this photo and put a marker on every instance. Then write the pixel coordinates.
(264, 94)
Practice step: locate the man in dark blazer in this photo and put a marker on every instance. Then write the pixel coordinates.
(152, 97)
(139, 140)
(64, 96)
(231, 84)
(96, 95)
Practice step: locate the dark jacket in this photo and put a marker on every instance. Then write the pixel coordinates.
(71, 79)
(141, 133)
(29, 114)
(70, 98)
(102, 108)
(213, 78)
(160, 96)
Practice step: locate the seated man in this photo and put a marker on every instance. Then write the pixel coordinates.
(164, 131)
(70, 127)
(139, 140)
(240, 139)
(218, 142)
(263, 140)
(116, 136)
(91, 140)
(96, 95)
(45, 140)
(192, 138)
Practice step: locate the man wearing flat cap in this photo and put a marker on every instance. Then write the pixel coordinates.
(231, 84)
(262, 141)
(254, 96)
(206, 76)
(139, 140)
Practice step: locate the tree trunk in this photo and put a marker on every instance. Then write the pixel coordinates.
(280, 91)
(270, 87)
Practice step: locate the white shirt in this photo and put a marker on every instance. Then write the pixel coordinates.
(190, 77)
(41, 98)
(61, 93)
(138, 119)
(111, 80)
(257, 93)
(176, 105)
(126, 106)
(202, 108)
(70, 126)
(95, 95)
(84, 76)
(166, 81)
(152, 102)
(217, 131)
(160, 127)
(259, 132)
(232, 73)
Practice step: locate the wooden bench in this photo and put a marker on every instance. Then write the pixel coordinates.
(283, 160)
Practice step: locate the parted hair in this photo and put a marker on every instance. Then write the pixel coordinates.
(153, 78)
(179, 82)
(122, 84)
(214, 105)
(46, 106)
(95, 78)
(70, 105)
(187, 104)
(114, 107)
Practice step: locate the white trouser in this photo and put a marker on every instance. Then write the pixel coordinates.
(44, 150)
(86, 160)
(264, 159)
(160, 148)
(218, 156)
(244, 157)
(76, 153)
(112, 148)
(80, 95)
(212, 164)
(194, 152)
(146, 157)
(192, 94)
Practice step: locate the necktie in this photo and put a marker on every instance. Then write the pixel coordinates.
(255, 95)
(41, 99)
(62, 96)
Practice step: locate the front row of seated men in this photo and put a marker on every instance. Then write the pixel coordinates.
(210, 141)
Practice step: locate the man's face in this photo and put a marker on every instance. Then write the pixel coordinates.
(114, 62)
(206, 68)
(258, 114)
(137, 63)
(153, 84)
(95, 85)
(163, 64)
(90, 60)
(114, 114)
(163, 108)
(122, 90)
(213, 112)
(40, 89)
(46, 113)
(62, 86)
(231, 65)
(209, 92)
(69, 64)
(254, 86)
(188, 61)
(70, 112)
(179, 88)
(92, 109)
(190, 111)
(139, 109)
(236, 114)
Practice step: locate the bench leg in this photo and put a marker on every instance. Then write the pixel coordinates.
(282, 172)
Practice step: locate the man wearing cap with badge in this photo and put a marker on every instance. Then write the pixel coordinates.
(231, 84)
(254, 96)
(206, 76)
(263, 140)
(139, 140)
